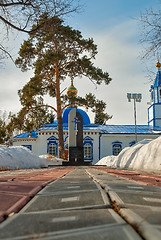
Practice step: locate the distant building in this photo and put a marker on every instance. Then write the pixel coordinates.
(98, 140)
(154, 111)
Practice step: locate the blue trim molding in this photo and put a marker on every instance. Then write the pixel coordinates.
(65, 138)
(28, 146)
(52, 138)
(131, 143)
(66, 146)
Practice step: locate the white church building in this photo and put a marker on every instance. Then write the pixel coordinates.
(98, 140)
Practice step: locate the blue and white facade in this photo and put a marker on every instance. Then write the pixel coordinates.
(98, 140)
(154, 111)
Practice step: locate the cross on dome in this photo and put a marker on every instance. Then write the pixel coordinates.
(158, 65)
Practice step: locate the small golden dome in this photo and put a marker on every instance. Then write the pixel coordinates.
(71, 91)
(158, 65)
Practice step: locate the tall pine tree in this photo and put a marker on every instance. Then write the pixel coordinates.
(56, 51)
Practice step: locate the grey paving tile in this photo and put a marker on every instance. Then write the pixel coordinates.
(114, 232)
(39, 223)
(69, 187)
(150, 214)
(140, 198)
(62, 201)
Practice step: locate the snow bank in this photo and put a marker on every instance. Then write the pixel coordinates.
(51, 160)
(145, 155)
(19, 157)
(109, 161)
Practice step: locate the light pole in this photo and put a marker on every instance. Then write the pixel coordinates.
(137, 98)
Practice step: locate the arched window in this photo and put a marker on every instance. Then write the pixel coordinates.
(116, 150)
(87, 151)
(52, 149)
(52, 146)
(116, 147)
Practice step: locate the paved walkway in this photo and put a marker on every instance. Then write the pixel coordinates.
(85, 203)
(18, 187)
(140, 177)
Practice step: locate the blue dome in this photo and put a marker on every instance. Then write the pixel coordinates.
(86, 120)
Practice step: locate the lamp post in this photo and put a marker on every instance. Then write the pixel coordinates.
(137, 98)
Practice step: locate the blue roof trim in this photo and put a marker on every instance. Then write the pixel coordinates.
(103, 129)
(52, 138)
(32, 134)
(157, 82)
(111, 129)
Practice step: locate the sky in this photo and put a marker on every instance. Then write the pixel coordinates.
(114, 27)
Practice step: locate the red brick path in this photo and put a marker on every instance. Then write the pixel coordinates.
(145, 179)
(16, 190)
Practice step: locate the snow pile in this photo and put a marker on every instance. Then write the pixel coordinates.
(145, 155)
(51, 160)
(19, 158)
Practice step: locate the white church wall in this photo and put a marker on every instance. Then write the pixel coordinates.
(107, 142)
(40, 147)
(44, 139)
(30, 144)
(106, 145)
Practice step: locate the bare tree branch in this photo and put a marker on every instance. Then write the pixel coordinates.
(150, 23)
(19, 15)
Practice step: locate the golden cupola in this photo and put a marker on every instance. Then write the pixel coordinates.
(158, 65)
(71, 91)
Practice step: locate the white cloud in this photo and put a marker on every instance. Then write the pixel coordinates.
(118, 54)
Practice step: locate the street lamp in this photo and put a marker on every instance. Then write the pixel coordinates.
(137, 98)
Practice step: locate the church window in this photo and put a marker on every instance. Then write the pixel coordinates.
(87, 151)
(156, 96)
(116, 147)
(152, 96)
(52, 149)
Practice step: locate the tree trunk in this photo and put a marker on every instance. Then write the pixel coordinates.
(59, 117)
